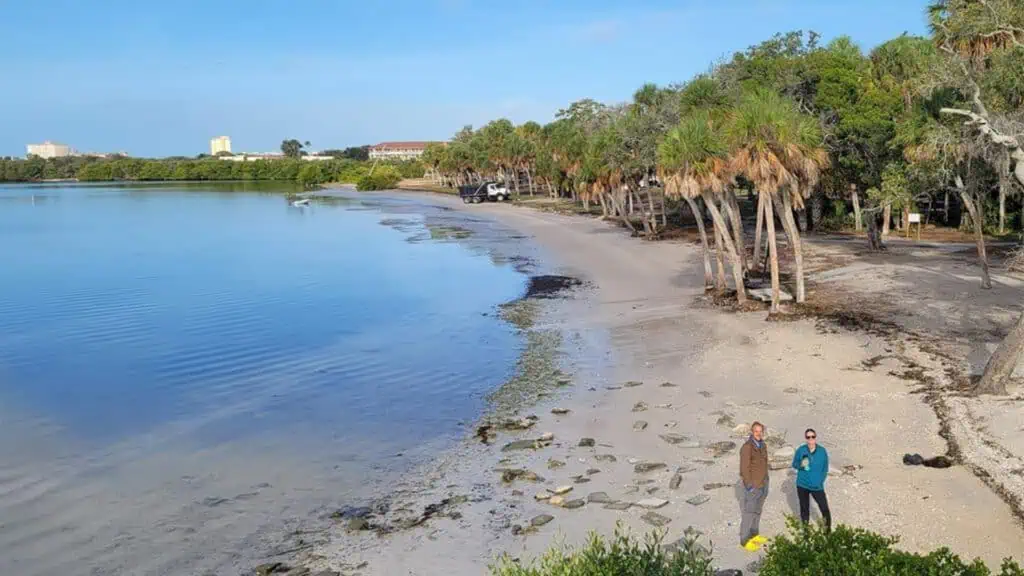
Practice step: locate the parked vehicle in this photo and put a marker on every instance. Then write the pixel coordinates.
(485, 191)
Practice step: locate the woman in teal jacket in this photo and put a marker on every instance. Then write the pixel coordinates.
(811, 463)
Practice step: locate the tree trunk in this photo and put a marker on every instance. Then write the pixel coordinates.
(1004, 187)
(874, 232)
(755, 265)
(979, 232)
(794, 238)
(1001, 365)
(720, 283)
(945, 209)
(817, 209)
(886, 217)
(737, 267)
(708, 274)
(604, 205)
(529, 180)
(652, 216)
(856, 207)
(732, 208)
(773, 252)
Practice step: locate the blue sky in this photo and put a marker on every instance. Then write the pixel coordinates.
(157, 78)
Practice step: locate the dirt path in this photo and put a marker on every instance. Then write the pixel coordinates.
(637, 322)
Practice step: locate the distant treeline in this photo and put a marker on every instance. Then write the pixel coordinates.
(308, 173)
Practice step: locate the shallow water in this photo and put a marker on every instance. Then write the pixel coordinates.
(187, 371)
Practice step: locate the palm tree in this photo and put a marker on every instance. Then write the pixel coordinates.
(765, 148)
(693, 158)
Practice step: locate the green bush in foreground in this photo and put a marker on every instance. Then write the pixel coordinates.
(623, 555)
(804, 551)
(383, 178)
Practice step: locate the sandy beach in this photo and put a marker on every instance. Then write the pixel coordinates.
(703, 373)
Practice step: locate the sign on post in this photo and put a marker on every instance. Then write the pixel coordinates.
(911, 219)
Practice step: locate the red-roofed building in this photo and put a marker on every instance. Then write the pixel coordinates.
(397, 150)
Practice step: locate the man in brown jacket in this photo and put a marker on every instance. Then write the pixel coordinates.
(754, 473)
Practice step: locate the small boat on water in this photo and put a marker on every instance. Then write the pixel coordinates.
(301, 202)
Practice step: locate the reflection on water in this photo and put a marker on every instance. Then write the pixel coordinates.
(188, 370)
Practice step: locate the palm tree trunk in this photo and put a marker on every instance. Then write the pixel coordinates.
(757, 232)
(650, 207)
(732, 207)
(1001, 365)
(773, 253)
(737, 267)
(708, 275)
(979, 232)
(720, 283)
(529, 180)
(856, 207)
(786, 213)
(886, 218)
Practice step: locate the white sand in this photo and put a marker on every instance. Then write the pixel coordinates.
(638, 322)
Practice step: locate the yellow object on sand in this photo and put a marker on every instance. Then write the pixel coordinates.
(761, 540)
(752, 545)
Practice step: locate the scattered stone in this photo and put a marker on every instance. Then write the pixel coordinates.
(719, 449)
(644, 467)
(784, 452)
(652, 503)
(633, 384)
(517, 529)
(642, 481)
(639, 426)
(741, 430)
(632, 490)
(726, 420)
(668, 385)
(327, 573)
(640, 406)
(776, 440)
(599, 498)
(525, 444)
(618, 505)
(586, 443)
(546, 437)
(754, 567)
(632, 460)
(592, 471)
(271, 568)
(698, 499)
(655, 519)
(716, 485)
(776, 464)
(664, 406)
(560, 411)
(509, 475)
(574, 504)
(580, 479)
(541, 519)
(652, 490)
(671, 424)
(791, 390)
(541, 496)
(676, 480)
(705, 462)
(357, 524)
(809, 402)
(556, 501)
(613, 387)
(705, 393)
(553, 463)
(673, 438)
(605, 458)
(561, 490)
(517, 492)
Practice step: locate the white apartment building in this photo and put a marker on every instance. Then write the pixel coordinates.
(49, 150)
(397, 150)
(220, 144)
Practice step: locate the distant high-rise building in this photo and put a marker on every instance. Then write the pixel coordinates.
(49, 150)
(220, 144)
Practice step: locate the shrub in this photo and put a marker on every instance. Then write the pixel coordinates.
(383, 178)
(311, 176)
(623, 555)
(804, 551)
(853, 552)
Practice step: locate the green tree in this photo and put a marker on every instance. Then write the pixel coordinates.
(292, 148)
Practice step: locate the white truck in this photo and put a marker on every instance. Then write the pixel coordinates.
(485, 191)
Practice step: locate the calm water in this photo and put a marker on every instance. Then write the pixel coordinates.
(185, 368)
